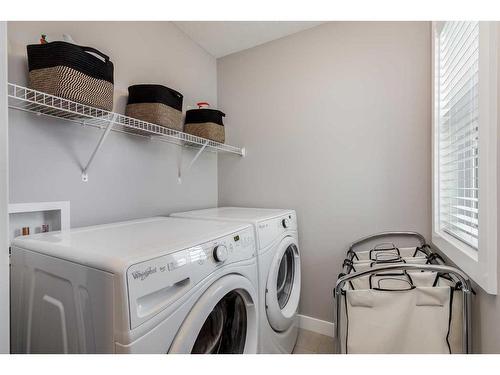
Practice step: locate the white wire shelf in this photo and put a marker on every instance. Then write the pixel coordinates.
(28, 100)
(40, 103)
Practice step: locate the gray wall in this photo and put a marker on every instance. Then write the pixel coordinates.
(337, 124)
(4, 185)
(132, 177)
(486, 322)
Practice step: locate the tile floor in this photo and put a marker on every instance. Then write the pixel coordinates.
(313, 343)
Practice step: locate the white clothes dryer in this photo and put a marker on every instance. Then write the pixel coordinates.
(156, 285)
(278, 259)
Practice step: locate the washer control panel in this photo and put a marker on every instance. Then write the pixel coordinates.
(155, 284)
(270, 229)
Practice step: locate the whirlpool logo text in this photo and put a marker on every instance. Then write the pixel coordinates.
(142, 275)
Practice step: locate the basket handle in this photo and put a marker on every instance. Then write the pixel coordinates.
(203, 104)
(97, 52)
(383, 246)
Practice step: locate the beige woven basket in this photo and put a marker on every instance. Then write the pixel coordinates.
(209, 130)
(73, 85)
(156, 113)
(205, 122)
(77, 73)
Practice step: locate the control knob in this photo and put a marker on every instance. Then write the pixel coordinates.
(220, 253)
(286, 223)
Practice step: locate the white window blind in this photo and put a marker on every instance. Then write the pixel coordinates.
(457, 51)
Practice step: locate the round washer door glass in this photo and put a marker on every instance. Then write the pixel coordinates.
(286, 272)
(224, 330)
(283, 285)
(222, 320)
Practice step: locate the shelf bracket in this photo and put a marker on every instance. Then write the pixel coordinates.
(191, 163)
(104, 135)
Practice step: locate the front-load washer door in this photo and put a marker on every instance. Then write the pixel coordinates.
(222, 321)
(283, 285)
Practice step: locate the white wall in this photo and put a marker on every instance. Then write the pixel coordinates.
(4, 185)
(337, 124)
(131, 177)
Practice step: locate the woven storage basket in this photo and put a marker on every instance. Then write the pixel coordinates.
(206, 123)
(72, 72)
(156, 104)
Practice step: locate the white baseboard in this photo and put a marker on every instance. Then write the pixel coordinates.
(316, 325)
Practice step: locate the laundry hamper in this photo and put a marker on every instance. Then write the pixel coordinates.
(205, 123)
(405, 305)
(80, 74)
(383, 254)
(156, 104)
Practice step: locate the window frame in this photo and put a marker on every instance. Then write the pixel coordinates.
(480, 264)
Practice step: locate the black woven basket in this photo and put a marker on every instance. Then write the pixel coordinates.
(72, 72)
(156, 104)
(206, 123)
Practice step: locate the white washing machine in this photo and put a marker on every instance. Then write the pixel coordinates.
(157, 285)
(279, 270)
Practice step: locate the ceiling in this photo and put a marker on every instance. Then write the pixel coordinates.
(221, 38)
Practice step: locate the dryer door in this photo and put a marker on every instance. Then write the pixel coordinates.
(283, 285)
(223, 321)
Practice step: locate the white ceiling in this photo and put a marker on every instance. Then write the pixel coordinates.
(221, 38)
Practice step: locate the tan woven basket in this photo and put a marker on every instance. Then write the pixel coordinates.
(73, 85)
(156, 104)
(72, 72)
(205, 122)
(156, 113)
(209, 130)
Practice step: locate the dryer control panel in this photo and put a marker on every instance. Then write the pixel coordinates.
(155, 284)
(269, 230)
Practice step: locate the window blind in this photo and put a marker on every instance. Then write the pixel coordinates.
(457, 51)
